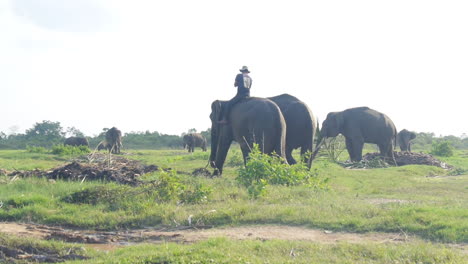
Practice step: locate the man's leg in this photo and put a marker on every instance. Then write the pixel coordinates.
(227, 108)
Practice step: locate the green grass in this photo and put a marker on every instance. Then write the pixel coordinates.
(223, 250)
(417, 200)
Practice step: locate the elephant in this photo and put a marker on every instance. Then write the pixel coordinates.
(361, 125)
(301, 125)
(76, 141)
(193, 140)
(113, 141)
(251, 120)
(404, 138)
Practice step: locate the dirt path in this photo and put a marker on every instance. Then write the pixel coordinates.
(111, 240)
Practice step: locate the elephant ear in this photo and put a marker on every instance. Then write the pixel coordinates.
(412, 135)
(215, 110)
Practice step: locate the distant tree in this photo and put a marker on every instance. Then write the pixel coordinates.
(45, 134)
(207, 135)
(74, 132)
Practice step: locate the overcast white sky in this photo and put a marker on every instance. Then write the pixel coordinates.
(157, 65)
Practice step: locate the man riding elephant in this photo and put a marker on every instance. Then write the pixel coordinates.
(243, 82)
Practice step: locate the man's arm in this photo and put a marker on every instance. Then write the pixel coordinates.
(239, 79)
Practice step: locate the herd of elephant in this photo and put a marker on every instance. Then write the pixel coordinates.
(283, 123)
(279, 125)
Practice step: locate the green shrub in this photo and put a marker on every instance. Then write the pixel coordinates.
(98, 194)
(25, 200)
(70, 150)
(262, 169)
(235, 159)
(194, 194)
(167, 186)
(442, 148)
(33, 149)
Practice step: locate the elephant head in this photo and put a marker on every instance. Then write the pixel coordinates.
(332, 125)
(404, 138)
(185, 140)
(114, 140)
(216, 134)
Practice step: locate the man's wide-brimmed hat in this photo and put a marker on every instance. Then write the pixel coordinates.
(245, 69)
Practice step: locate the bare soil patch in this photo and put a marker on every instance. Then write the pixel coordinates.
(193, 234)
(28, 253)
(110, 240)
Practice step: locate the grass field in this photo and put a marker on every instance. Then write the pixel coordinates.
(424, 203)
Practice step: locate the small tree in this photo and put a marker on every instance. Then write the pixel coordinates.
(442, 148)
(334, 147)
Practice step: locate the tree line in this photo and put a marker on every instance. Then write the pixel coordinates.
(47, 134)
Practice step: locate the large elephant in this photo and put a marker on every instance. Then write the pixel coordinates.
(193, 140)
(113, 141)
(404, 138)
(76, 141)
(252, 120)
(301, 125)
(361, 125)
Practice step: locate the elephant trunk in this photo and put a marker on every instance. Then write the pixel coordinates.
(214, 146)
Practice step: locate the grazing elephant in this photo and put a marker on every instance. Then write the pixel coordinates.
(113, 141)
(301, 125)
(361, 125)
(404, 138)
(252, 120)
(76, 141)
(193, 140)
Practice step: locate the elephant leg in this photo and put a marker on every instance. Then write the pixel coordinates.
(358, 145)
(304, 149)
(289, 156)
(385, 149)
(245, 154)
(409, 147)
(349, 147)
(355, 149)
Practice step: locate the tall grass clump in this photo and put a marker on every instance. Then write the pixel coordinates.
(262, 170)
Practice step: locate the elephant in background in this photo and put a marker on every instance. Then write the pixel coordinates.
(113, 141)
(361, 125)
(301, 125)
(76, 141)
(193, 140)
(252, 120)
(404, 138)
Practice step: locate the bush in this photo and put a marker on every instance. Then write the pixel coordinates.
(167, 187)
(194, 194)
(34, 149)
(235, 159)
(70, 150)
(442, 148)
(262, 169)
(97, 194)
